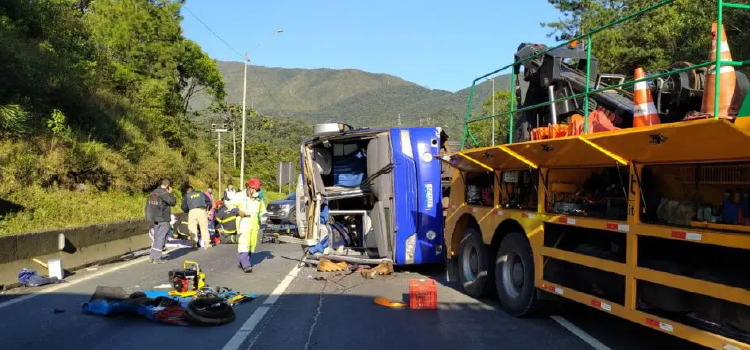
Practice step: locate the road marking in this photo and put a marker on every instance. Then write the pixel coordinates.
(580, 333)
(247, 327)
(71, 283)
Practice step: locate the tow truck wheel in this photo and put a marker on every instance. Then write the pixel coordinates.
(514, 275)
(474, 265)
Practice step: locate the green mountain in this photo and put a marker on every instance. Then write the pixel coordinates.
(351, 96)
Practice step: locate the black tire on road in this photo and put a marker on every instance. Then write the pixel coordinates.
(475, 268)
(514, 275)
(209, 312)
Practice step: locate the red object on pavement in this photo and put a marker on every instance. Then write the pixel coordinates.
(422, 294)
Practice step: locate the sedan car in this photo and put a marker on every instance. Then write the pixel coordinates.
(282, 211)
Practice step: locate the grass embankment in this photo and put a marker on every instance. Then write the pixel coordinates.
(42, 209)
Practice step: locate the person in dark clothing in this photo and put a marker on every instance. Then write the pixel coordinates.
(196, 204)
(159, 212)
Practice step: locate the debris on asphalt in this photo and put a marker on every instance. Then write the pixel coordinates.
(57, 311)
(387, 303)
(422, 294)
(325, 265)
(30, 278)
(320, 278)
(385, 268)
(209, 307)
(43, 264)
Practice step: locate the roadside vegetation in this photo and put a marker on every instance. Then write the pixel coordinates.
(94, 111)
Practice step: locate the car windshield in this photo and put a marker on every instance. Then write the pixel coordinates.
(291, 197)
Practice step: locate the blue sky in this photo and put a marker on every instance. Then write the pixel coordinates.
(439, 44)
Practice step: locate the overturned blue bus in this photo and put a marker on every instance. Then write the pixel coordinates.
(370, 195)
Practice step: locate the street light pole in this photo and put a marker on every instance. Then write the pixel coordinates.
(493, 110)
(218, 148)
(244, 98)
(242, 147)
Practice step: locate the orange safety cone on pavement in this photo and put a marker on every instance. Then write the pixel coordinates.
(644, 110)
(728, 78)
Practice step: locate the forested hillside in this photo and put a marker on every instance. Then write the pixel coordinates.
(352, 96)
(92, 109)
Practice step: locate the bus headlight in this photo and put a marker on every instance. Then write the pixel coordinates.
(426, 157)
(406, 143)
(411, 247)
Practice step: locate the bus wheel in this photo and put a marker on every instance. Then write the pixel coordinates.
(514, 275)
(474, 265)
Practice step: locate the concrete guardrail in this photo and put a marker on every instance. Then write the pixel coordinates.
(82, 247)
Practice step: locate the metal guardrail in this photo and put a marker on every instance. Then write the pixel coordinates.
(587, 91)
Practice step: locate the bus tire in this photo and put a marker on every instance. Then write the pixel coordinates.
(514, 275)
(474, 265)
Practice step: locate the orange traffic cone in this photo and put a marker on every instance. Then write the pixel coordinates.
(644, 111)
(728, 78)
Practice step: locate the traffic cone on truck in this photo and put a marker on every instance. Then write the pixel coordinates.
(727, 81)
(644, 110)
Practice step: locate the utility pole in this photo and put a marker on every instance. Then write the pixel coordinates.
(218, 148)
(242, 147)
(234, 143)
(244, 98)
(493, 110)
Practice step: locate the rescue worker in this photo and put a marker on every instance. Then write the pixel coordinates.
(211, 214)
(226, 223)
(249, 208)
(196, 204)
(158, 212)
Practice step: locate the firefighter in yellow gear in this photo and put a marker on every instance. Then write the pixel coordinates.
(249, 209)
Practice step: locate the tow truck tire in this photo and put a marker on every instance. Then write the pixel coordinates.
(514, 276)
(474, 265)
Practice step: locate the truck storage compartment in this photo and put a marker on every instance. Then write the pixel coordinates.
(518, 189)
(600, 244)
(719, 316)
(707, 262)
(711, 196)
(602, 284)
(591, 192)
(480, 188)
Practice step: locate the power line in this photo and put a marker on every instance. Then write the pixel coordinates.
(212, 32)
(268, 91)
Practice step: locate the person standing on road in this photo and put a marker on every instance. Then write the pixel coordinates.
(229, 193)
(196, 204)
(211, 214)
(249, 209)
(159, 212)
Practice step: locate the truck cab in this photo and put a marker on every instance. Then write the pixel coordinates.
(372, 194)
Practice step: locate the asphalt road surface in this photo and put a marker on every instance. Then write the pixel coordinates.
(302, 309)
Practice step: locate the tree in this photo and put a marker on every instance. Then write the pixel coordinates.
(199, 72)
(676, 32)
(482, 130)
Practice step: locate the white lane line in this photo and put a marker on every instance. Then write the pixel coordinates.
(71, 283)
(257, 316)
(580, 333)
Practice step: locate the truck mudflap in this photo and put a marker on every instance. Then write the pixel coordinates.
(451, 269)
